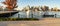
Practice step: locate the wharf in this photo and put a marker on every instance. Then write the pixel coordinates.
(7, 13)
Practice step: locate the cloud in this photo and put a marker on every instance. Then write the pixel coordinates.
(4, 6)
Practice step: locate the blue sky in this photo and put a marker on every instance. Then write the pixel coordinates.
(50, 3)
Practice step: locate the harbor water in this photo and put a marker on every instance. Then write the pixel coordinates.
(36, 14)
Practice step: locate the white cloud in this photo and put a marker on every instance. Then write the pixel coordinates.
(4, 6)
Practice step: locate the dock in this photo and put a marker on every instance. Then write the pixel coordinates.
(7, 13)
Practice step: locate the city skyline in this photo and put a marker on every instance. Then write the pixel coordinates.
(50, 3)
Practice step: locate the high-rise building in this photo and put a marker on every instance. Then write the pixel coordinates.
(26, 8)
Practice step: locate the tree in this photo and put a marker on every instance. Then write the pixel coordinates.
(11, 4)
(45, 8)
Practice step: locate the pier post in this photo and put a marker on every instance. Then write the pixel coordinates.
(55, 15)
(32, 15)
(18, 15)
(10, 14)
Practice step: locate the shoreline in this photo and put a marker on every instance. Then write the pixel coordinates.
(44, 22)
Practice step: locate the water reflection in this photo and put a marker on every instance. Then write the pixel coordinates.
(36, 14)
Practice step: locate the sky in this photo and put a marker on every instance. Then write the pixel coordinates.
(50, 3)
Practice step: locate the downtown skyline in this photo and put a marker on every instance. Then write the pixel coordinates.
(50, 3)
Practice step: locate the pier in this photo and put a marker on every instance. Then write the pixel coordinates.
(7, 13)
